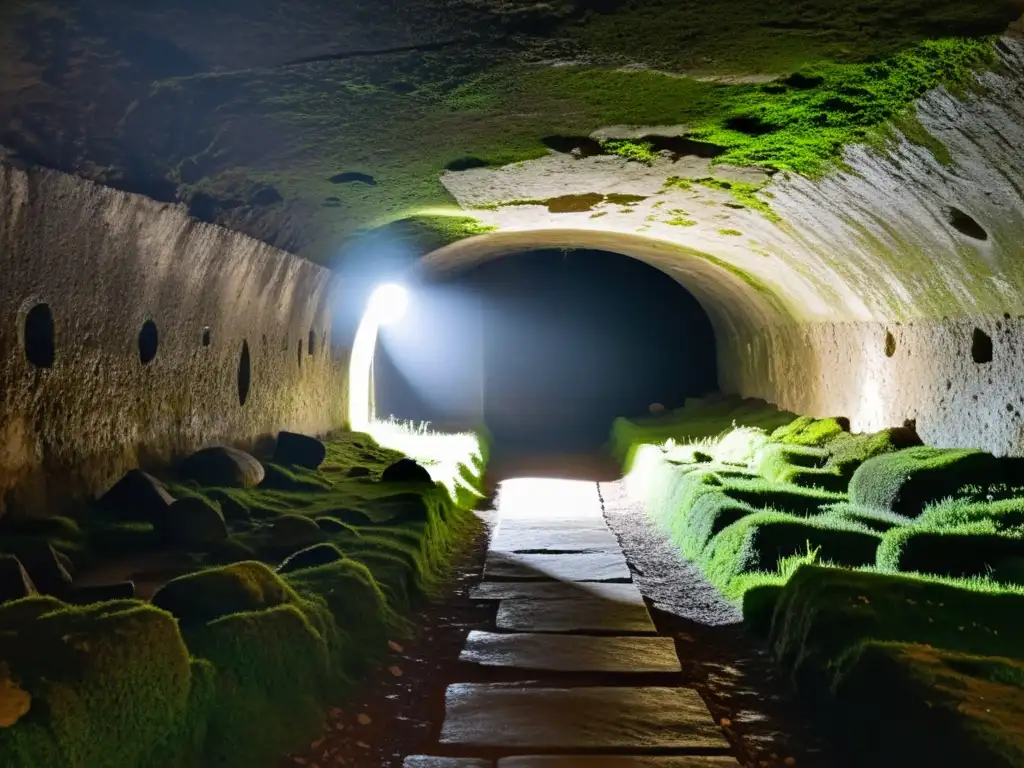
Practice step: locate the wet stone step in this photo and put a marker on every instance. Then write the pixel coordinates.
(557, 590)
(425, 761)
(593, 718)
(540, 539)
(579, 566)
(617, 761)
(571, 653)
(574, 615)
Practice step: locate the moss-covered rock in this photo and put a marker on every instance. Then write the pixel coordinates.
(294, 531)
(946, 552)
(311, 557)
(209, 594)
(810, 432)
(405, 471)
(905, 481)
(107, 682)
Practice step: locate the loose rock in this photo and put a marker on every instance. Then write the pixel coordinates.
(223, 466)
(406, 471)
(230, 507)
(295, 531)
(192, 522)
(43, 566)
(298, 450)
(136, 496)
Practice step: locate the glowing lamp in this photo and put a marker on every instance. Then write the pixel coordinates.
(388, 303)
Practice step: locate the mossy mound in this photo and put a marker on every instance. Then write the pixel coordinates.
(938, 708)
(905, 481)
(209, 594)
(947, 552)
(806, 431)
(108, 682)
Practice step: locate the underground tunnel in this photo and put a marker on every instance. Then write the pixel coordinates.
(479, 384)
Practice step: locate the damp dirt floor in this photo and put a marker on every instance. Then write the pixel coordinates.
(399, 708)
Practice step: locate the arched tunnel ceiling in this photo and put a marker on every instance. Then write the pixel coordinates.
(304, 123)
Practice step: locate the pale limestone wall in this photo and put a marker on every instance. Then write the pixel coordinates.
(105, 262)
(870, 249)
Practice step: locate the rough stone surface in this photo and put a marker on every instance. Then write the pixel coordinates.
(519, 539)
(137, 496)
(222, 466)
(571, 653)
(578, 718)
(311, 557)
(573, 615)
(294, 449)
(576, 566)
(557, 590)
(149, 261)
(616, 761)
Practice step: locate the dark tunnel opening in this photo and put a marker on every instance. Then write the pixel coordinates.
(548, 347)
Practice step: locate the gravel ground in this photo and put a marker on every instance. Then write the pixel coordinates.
(732, 671)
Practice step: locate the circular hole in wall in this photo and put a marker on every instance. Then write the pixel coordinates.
(981, 346)
(244, 374)
(148, 342)
(890, 344)
(206, 336)
(300, 353)
(311, 345)
(39, 346)
(966, 224)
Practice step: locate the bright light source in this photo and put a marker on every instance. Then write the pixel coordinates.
(388, 303)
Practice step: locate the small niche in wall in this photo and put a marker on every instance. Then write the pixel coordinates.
(981, 347)
(206, 336)
(311, 345)
(244, 374)
(148, 342)
(39, 344)
(966, 224)
(300, 353)
(890, 343)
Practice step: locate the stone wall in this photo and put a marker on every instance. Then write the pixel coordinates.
(167, 335)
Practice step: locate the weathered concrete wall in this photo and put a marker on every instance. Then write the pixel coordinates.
(105, 263)
(857, 294)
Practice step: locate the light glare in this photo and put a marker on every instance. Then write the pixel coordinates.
(388, 303)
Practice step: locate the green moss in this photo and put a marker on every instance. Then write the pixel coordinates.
(745, 194)
(951, 552)
(806, 431)
(107, 681)
(638, 151)
(905, 481)
(679, 221)
(730, 232)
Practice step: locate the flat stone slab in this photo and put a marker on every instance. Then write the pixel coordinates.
(508, 716)
(574, 615)
(554, 521)
(571, 653)
(575, 566)
(425, 761)
(616, 761)
(538, 540)
(557, 590)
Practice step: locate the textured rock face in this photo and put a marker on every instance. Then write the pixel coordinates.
(889, 290)
(228, 360)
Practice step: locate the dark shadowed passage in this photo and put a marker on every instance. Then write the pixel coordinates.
(548, 347)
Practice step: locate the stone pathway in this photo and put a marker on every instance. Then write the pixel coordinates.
(575, 674)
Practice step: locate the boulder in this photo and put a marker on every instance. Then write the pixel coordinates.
(232, 509)
(295, 531)
(42, 563)
(358, 472)
(14, 701)
(223, 466)
(311, 557)
(405, 471)
(295, 450)
(192, 522)
(14, 581)
(136, 496)
(279, 479)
